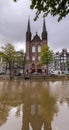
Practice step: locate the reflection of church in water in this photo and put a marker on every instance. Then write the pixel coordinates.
(33, 48)
(32, 114)
(33, 119)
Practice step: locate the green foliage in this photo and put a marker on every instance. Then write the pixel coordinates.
(54, 7)
(46, 55)
(10, 56)
(67, 62)
(14, 0)
(22, 57)
(8, 52)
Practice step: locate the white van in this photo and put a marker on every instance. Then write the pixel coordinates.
(56, 72)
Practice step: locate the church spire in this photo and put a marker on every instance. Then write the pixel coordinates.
(44, 33)
(28, 33)
(28, 26)
(44, 26)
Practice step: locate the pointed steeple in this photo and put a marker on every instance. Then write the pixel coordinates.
(28, 26)
(44, 33)
(28, 33)
(44, 26)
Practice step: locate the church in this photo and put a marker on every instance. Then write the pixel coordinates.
(33, 48)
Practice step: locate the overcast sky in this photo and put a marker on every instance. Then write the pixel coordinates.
(13, 26)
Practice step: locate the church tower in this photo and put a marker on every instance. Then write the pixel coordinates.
(28, 33)
(33, 48)
(44, 33)
(28, 41)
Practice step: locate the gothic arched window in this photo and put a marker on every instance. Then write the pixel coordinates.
(33, 58)
(39, 48)
(38, 58)
(33, 65)
(33, 48)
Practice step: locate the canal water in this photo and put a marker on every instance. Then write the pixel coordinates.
(34, 105)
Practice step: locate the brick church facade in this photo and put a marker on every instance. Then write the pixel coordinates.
(33, 48)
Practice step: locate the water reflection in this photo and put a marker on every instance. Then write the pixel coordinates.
(37, 103)
(39, 107)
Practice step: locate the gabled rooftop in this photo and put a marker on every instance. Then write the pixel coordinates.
(36, 38)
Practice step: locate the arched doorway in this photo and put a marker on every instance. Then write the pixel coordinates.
(33, 68)
(39, 70)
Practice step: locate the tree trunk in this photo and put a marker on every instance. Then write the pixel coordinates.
(47, 69)
(10, 69)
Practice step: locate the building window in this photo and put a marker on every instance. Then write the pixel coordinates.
(33, 48)
(38, 58)
(57, 58)
(33, 58)
(33, 65)
(61, 61)
(64, 57)
(65, 54)
(65, 61)
(61, 57)
(39, 48)
(15, 64)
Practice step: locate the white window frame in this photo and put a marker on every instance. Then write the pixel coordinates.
(33, 58)
(39, 48)
(38, 58)
(33, 48)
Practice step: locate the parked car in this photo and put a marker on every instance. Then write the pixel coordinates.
(19, 74)
(67, 73)
(56, 72)
(36, 73)
(2, 73)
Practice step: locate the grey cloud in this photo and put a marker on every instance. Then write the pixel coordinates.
(13, 25)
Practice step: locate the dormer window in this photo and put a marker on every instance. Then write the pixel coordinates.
(33, 48)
